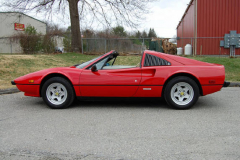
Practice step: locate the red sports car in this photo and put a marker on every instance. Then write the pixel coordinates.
(179, 80)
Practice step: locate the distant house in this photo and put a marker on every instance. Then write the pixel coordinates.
(13, 23)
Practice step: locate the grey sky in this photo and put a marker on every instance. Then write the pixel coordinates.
(164, 17)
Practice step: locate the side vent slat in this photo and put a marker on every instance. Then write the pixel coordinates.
(151, 60)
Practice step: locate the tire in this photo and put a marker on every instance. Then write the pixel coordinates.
(181, 92)
(57, 93)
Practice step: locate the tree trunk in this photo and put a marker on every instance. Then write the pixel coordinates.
(75, 26)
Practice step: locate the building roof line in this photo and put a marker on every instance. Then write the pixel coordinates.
(26, 15)
(191, 1)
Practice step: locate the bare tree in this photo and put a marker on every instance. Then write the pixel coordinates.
(105, 12)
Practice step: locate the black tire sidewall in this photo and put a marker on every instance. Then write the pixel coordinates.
(171, 83)
(69, 88)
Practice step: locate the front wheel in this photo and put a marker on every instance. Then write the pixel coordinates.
(181, 92)
(57, 93)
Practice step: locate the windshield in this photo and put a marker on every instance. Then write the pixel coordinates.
(87, 63)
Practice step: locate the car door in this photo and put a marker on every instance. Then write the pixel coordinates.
(154, 71)
(109, 82)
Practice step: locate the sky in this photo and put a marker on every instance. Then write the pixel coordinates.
(164, 17)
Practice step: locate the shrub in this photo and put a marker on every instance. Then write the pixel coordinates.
(48, 44)
(30, 41)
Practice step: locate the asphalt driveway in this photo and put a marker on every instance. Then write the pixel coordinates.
(146, 129)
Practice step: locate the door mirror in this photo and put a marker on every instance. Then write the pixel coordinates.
(94, 68)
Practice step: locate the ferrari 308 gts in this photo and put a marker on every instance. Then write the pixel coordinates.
(179, 80)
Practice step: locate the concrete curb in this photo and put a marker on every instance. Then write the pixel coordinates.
(15, 90)
(9, 91)
(234, 84)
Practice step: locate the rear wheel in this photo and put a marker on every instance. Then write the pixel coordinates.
(57, 93)
(181, 92)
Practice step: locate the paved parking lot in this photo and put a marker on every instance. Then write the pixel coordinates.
(146, 129)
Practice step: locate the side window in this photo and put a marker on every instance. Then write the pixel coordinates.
(111, 62)
(100, 64)
(107, 61)
(151, 60)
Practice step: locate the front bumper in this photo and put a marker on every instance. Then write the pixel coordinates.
(226, 84)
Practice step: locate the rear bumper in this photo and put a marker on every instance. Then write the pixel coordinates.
(209, 89)
(226, 84)
(13, 83)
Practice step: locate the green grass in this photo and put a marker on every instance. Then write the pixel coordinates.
(74, 58)
(15, 65)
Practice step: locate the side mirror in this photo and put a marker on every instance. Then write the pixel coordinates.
(94, 68)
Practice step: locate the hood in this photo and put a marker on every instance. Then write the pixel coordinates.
(38, 76)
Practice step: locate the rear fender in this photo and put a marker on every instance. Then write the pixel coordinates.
(183, 74)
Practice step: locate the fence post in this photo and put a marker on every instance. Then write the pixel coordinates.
(193, 49)
(143, 45)
(82, 46)
(105, 45)
(95, 45)
(87, 46)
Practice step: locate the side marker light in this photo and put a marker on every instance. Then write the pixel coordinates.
(31, 81)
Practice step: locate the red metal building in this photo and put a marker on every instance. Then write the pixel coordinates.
(204, 24)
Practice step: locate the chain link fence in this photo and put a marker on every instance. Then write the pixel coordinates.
(200, 46)
(210, 46)
(124, 45)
